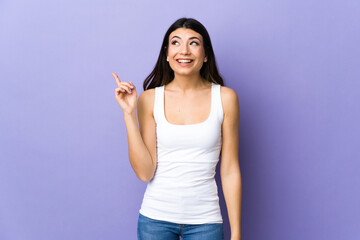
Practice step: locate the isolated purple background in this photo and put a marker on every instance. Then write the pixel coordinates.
(64, 168)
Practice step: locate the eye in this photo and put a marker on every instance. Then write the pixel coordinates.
(173, 43)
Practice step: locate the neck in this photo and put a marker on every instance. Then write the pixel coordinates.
(184, 83)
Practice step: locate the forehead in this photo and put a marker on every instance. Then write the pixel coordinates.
(185, 33)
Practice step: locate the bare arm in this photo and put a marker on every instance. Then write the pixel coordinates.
(141, 141)
(229, 168)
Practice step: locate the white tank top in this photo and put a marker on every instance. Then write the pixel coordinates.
(183, 189)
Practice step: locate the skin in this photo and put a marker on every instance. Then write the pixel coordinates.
(180, 95)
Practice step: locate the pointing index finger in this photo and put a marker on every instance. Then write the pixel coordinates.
(116, 79)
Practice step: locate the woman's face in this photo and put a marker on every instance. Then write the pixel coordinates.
(186, 45)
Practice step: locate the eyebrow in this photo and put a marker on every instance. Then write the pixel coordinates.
(189, 38)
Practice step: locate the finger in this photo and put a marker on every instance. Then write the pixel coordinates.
(125, 89)
(118, 91)
(132, 85)
(117, 79)
(128, 85)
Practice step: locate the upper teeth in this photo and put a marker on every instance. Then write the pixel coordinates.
(182, 61)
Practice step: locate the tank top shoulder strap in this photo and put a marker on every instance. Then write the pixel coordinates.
(217, 103)
(158, 103)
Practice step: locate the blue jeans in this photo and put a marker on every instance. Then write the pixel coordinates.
(152, 229)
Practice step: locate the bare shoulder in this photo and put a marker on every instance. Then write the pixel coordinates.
(146, 101)
(229, 99)
(227, 93)
(147, 95)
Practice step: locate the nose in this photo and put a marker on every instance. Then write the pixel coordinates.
(184, 49)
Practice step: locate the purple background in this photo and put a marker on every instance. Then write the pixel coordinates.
(64, 168)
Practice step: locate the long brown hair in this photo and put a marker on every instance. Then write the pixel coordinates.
(162, 73)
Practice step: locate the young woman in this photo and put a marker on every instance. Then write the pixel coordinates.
(187, 117)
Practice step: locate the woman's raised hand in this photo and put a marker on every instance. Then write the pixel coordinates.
(126, 96)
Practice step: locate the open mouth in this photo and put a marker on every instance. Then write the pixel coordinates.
(184, 60)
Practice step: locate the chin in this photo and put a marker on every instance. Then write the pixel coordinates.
(184, 73)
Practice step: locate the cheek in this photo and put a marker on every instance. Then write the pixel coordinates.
(171, 50)
(199, 52)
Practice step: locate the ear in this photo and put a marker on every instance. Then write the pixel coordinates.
(205, 59)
